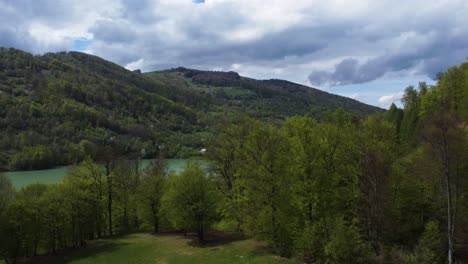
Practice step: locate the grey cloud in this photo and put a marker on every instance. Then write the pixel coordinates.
(49, 11)
(110, 31)
(372, 44)
(139, 11)
(211, 51)
(14, 30)
(428, 55)
(15, 38)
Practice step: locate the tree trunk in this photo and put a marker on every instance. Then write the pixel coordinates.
(156, 225)
(109, 198)
(201, 235)
(155, 218)
(450, 224)
(36, 242)
(125, 216)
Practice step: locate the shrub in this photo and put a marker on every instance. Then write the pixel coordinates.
(430, 248)
(346, 245)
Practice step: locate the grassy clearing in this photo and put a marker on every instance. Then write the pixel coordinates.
(144, 248)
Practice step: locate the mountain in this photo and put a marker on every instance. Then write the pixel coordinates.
(57, 108)
(267, 99)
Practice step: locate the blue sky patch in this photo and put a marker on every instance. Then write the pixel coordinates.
(81, 44)
(198, 1)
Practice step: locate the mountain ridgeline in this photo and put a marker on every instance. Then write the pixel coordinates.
(264, 99)
(58, 108)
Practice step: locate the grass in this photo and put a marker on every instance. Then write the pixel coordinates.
(142, 248)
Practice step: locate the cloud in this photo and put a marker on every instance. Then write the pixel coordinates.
(328, 43)
(113, 31)
(422, 54)
(135, 65)
(387, 100)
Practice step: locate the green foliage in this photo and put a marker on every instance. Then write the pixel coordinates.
(151, 191)
(287, 183)
(61, 100)
(6, 198)
(125, 180)
(6, 193)
(191, 201)
(71, 98)
(265, 180)
(394, 116)
(310, 243)
(346, 245)
(338, 190)
(430, 248)
(263, 99)
(37, 157)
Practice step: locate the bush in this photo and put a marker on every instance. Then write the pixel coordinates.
(309, 246)
(346, 245)
(332, 242)
(430, 248)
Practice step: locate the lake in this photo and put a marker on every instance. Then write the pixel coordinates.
(20, 179)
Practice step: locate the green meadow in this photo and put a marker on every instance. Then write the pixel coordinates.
(145, 248)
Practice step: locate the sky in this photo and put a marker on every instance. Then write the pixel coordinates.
(364, 49)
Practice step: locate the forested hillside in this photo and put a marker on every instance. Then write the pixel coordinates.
(388, 188)
(267, 100)
(58, 108)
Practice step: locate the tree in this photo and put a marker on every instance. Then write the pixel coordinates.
(107, 154)
(394, 115)
(346, 245)
(446, 142)
(267, 186)
(6, 198)
(151, 191)
(125, 180)
(94, 179)
(377, 150)
(6, 192)
(55, 216)
(37, 157)
(430, 247)
(411, 102)
(225, 153)
(31, 219)
(445, 139)
(192, 198)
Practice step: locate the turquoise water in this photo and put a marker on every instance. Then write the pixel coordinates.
(20, 179)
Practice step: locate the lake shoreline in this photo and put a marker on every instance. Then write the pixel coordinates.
(55, 175)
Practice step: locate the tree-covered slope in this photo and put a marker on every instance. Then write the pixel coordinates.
(264, 99)
(57, 108)
(51, 103)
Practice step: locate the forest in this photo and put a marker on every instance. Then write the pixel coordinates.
(57, 108)
(384, 188)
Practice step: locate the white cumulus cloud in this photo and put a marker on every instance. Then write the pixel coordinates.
(387, 100)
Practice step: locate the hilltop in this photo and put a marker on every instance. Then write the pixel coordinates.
(264, 99)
